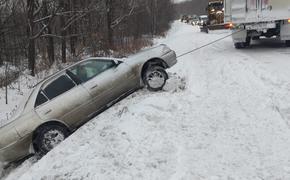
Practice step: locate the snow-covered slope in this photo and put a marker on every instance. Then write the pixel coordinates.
(224, 114)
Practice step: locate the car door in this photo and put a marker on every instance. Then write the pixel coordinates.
(105, 80)
(63, 99)
(125, 80)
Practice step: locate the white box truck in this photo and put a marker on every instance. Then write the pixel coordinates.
(251, 19)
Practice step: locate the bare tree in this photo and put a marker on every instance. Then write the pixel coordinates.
(35, 30)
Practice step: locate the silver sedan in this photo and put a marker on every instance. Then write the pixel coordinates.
(64, 101)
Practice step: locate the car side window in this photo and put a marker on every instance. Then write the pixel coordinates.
(58, 87)
(41, 99)
(90, 69)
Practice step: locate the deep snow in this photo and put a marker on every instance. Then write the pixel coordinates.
(224, 114)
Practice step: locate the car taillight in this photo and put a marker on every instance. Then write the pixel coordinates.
(229, 25)
(289, 20)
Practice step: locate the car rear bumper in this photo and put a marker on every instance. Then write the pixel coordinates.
(16, 151)
(170, 58)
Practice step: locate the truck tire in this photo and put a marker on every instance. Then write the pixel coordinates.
(256, 38)
(248, 42)
(240, 45)
(288, 43)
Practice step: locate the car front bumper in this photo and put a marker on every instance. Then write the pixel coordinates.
(16, 150)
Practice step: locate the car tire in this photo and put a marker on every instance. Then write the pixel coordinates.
(48, 137)
(155, 78)
(288, 43)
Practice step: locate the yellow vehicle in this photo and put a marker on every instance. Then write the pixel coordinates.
(216, 12)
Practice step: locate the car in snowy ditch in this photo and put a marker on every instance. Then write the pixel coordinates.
(61, 103)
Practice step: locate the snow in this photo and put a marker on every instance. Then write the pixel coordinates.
(16, 93)
(224, 114)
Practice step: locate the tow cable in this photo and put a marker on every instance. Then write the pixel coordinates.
(208, 44)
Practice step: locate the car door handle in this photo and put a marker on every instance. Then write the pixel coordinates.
(47, 112)
(95, 86)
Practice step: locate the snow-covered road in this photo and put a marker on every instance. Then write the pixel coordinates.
(224, 114)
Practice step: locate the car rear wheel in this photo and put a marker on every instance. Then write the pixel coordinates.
(155, 78)
(49, 137)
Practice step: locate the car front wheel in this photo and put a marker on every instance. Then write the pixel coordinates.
(155, 78)
(49, 137)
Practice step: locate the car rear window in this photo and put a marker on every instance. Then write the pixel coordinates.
(41, 99)
(58, 87)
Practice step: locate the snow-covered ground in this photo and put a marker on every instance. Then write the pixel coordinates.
(224, 114)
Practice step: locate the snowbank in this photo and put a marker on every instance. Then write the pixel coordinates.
(224, 114)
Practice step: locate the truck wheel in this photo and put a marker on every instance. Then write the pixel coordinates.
(288, 43)
(240, 45)
(248, 42)
(256, 37)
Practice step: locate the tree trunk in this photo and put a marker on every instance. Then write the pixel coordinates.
(73, 46)
(30, 33)
(50, 48)
(1, 60)
(65, 6)
(6, 84)
(31, 56)
(63, 47)
(73, 31)
(109, 22)
(1, 49)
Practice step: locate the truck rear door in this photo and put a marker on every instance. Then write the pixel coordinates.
(274, 10)
(252, 10)
(228, 11)
(238, 10)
